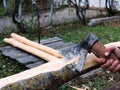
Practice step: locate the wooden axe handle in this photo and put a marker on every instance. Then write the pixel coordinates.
(99, 49)
(41, 47)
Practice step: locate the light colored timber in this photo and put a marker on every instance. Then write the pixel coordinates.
(48, 67)
(32, 50)
(36, 45)
(39, 71)
(39, 78)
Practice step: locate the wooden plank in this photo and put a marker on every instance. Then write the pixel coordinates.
(28, 59)
(50, 40)
(35, 64)
(14, 54)
(22, 56)
(18, 55)
(59, 45)
(7, 49)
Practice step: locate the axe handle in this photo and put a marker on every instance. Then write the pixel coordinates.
(99, 49)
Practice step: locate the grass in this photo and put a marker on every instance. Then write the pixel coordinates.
(71, 32)
(99, 81)
(1, 11)
(75, 33)
(9, 67)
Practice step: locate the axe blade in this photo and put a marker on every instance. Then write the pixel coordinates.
(80, 50)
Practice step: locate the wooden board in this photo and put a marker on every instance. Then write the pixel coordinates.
(28, 59)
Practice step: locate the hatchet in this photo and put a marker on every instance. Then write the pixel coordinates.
(90, 44)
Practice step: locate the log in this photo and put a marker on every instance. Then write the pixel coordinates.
(36, 45)
(48, 76)
(32, 50)
(97, 21)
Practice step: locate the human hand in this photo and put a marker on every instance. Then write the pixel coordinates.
(110, 64)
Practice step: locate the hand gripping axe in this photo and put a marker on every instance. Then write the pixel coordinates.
(90, 44)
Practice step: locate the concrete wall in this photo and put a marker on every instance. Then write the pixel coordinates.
(101, 3)
(94, 3)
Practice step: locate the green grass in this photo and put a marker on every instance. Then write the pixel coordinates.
(1, 11)
(71, 32)
(75, 33)
(102, 81)
(9, 67)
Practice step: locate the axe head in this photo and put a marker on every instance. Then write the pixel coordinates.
(80, 50)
